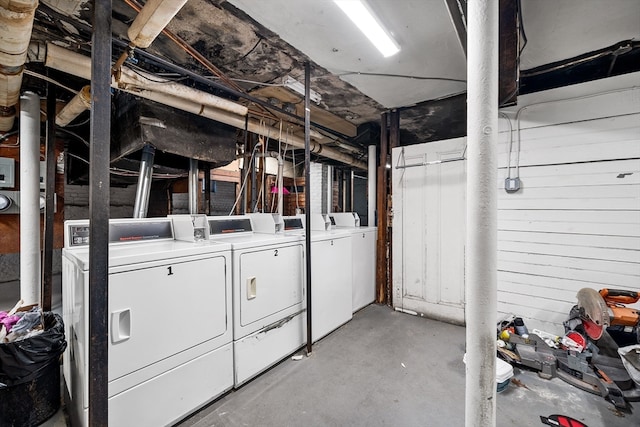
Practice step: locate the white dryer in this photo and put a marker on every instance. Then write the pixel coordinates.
(363, 256)
(268, 294)
(331, 273)
(170, 338)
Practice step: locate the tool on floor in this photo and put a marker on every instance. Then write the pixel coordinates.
(597, 326)
(561, 420)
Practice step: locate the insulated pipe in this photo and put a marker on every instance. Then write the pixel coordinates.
(79, 65)
(253, 125)
(481, 244)
(16, 23)
(30, 198)
(193, 186)
(371, 187)
(141, 205)
(78, 104)
(154, 16)
(132, 82)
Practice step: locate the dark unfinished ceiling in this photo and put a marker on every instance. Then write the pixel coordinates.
(251, 46)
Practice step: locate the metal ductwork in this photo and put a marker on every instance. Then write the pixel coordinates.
(16, 23)
(143, 190)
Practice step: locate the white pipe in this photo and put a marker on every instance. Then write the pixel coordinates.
(30, 198)
(193, 186)
(371, 186)
(78, 104)
(329, 188)
(80, 65)
(154, 16)
(481, 244)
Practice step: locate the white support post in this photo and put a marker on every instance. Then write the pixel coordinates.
(30, 198)
(481, 247)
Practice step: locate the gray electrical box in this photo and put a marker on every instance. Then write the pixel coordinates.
(43, 174)
(7, 172)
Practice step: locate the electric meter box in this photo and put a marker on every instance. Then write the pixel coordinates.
(7, 172)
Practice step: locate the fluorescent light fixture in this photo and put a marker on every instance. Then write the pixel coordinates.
(296, 86)
(370, 26)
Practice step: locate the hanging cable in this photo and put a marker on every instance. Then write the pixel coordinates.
(246, 176)
(504, 115)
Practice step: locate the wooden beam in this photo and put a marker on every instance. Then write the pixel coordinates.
(381, 250)
(320, 115)
(508, 53)
(458, 13)
(394, 141)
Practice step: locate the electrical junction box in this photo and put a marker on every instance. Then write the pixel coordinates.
(511, 185)
(7, 172)
(43, 174)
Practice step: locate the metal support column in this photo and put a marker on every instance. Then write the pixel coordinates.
(307, 197)
(193, 186)
(245, 166)
(99, 155)
(207, 188)
(481, 244)
(49, 204)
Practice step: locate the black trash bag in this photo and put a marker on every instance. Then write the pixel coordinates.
(22, 361)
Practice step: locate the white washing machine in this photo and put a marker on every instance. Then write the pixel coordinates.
(268, 294)
(363, 241)
(170, 336)
(331, 273)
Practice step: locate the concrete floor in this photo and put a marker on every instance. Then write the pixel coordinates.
(384, 368)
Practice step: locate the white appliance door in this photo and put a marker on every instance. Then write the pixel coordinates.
(330, 285)
(163, 308)
(364, 268)
(270, 281)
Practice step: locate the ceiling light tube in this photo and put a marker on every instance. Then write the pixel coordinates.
(296, 86)
(366, 21)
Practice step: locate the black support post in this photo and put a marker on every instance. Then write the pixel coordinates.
(100, 135)
(307, 197)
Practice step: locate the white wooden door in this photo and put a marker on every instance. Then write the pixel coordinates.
(429, 230)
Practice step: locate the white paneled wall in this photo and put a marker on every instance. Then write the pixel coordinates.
(574, 223)
(576, 220)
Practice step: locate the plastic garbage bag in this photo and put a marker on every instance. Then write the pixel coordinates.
(29, 320)
(630, 356)
(21, 361)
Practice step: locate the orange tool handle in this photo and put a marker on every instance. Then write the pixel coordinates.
(619, 296)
